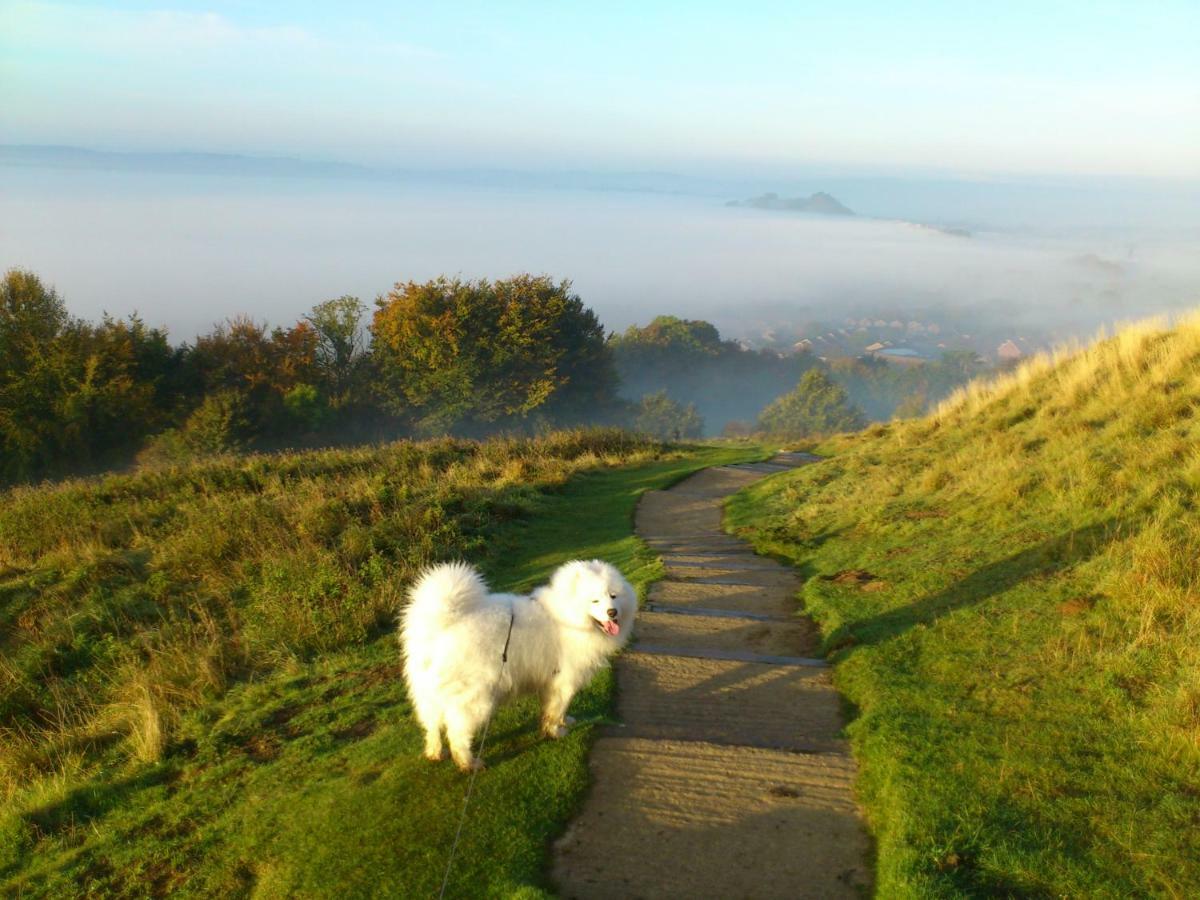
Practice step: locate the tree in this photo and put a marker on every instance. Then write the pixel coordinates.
(110, 393)
(816, 406)
(688, 359)
(235, 356)
(292, 357)
(662, 417)
(668, 338)
(261, 367)
(880, 388)
(341, 345)
(32, 317)
(472, 354)
(72, 395)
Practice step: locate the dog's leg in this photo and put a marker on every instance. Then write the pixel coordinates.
(433, 744)
(431, 721)
(555, 701)
(460, 729)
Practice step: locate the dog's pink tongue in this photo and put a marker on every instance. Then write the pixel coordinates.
(612, 628)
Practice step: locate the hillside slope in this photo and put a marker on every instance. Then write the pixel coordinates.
(200, 694)
(1010, 592)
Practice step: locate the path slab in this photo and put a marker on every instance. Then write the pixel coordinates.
(773, 637)
(729, 702)
(714, 613)
(778, 600)
(726, 561)
(669, 819)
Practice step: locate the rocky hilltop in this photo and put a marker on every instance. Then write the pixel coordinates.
(820, 202)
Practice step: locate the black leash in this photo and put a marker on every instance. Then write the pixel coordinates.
(462, 819)
(504, 653)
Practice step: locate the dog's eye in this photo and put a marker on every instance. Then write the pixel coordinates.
(595, 601)
(612, 596)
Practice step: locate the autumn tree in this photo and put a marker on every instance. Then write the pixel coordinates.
(273, 372)
(72, 395)
(471, 354)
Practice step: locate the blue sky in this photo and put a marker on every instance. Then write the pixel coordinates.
(969, 88)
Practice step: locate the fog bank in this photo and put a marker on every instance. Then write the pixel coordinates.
(188, 250)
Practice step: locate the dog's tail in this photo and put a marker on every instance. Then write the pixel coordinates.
(443, 594)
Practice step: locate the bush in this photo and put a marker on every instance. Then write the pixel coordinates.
(660, 416)
(306, 408)
(218, 425)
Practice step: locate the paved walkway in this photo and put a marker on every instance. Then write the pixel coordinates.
(728, 777)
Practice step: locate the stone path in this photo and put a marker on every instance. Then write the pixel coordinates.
(728, 776)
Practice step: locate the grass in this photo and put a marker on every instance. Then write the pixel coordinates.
(200, 692)
(1009, 592)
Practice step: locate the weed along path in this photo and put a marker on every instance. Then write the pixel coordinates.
(728, 776)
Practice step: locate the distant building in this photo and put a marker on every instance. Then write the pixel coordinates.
(903, 356)
(1009, 352)
(876, 347)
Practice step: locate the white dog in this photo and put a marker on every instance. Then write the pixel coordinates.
(454, 632)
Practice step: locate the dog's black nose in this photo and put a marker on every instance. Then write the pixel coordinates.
(612, 613)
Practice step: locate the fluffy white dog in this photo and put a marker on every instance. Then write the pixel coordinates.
(453, 633)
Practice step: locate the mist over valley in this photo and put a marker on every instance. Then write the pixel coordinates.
(191, 239)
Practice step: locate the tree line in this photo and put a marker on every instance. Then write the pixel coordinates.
(446, 356)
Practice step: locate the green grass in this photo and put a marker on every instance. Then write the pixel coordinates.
(1017, 625)
(288, 762)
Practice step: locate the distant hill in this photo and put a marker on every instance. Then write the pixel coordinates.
(231, 164)
(820, 202)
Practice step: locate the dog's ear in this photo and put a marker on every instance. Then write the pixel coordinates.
(566, 577)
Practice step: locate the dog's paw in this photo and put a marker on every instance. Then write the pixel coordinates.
(475, 764)
(435, 755)
(555, 731)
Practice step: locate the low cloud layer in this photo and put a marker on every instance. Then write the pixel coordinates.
(187, 251)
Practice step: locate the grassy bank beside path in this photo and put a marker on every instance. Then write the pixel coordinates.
(299, 772)
(1008, 590)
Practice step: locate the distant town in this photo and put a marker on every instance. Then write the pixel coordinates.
(900, 341)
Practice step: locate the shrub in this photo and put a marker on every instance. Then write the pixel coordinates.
(306, 408)
(660, 416)
(218, 425)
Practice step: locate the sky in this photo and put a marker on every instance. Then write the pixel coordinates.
(958, 88)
